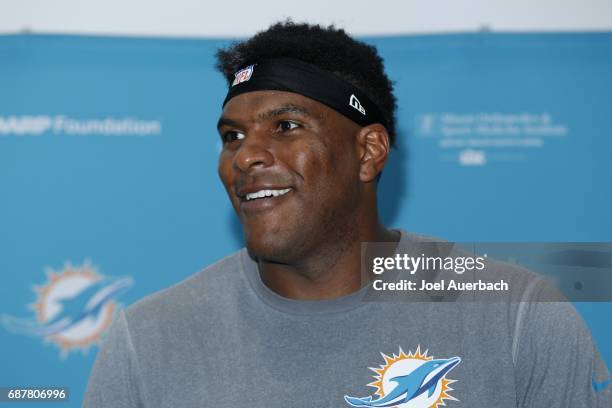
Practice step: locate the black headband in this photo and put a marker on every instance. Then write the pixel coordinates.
(292, 75)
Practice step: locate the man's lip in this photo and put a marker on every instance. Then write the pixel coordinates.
(258, 205)
(253, 188)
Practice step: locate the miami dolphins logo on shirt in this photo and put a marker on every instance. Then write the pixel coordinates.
(413, 380)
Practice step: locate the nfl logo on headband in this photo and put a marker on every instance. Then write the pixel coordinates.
(243, 75)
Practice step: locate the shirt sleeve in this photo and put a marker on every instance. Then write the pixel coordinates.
(557, 362)
(114, 378)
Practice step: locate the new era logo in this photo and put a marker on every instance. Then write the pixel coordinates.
(243, 75)
(354, 102)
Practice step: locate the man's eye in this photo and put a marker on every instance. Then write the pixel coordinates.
(232, 135)
(287, 125)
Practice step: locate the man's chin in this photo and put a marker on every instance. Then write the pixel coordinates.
(272, 249)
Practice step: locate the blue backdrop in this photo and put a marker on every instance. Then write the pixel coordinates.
(108, 155)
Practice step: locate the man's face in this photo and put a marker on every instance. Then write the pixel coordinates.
(290, 166)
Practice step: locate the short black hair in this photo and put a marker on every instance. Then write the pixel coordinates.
(328, 48)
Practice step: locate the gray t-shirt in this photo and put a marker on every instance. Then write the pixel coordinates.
(221, 338)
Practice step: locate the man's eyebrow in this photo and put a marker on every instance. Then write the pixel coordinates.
(227, 122)
(289, 108)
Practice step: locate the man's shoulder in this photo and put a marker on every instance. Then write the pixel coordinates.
(524, 284)
(204, 289)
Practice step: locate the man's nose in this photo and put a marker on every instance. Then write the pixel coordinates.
(254, 151)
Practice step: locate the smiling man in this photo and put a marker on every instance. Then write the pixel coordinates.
(302, 178)
(307, 126)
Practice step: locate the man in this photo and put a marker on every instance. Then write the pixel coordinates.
(307, 127)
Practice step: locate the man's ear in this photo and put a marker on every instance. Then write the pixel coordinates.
(373, 144)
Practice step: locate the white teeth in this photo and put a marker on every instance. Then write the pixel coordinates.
(267, 193)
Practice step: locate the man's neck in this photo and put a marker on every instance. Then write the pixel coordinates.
(334, 270)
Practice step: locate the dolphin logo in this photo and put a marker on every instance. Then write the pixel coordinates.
(423, 379)
(600, 386)
(84, 305)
